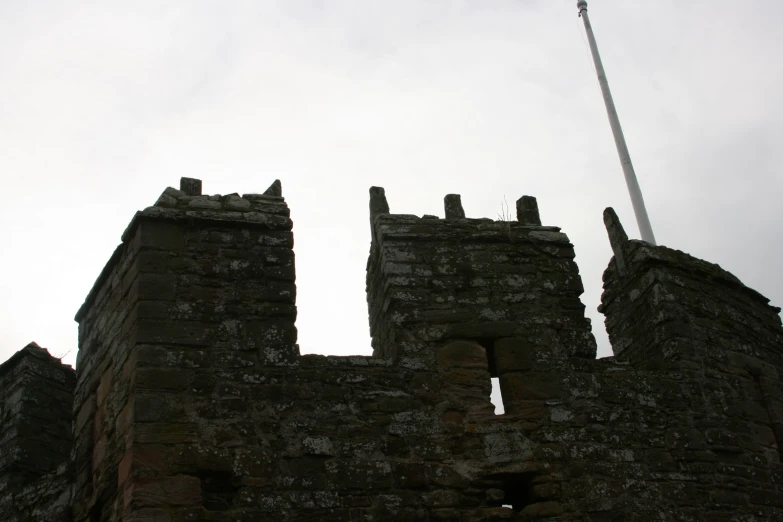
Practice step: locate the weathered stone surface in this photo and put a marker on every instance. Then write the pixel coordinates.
(453, 206)
(191, 401)
(36, 397)
(527, 211)
(463, 354)
(513, 354)
(378, 203)
(165, 491)
(190, 186)
(275, 189)
(617, 237)
(235, 202)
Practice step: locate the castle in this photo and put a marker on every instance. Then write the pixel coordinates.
(191, 401)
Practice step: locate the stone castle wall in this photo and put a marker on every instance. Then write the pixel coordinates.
(191, 400)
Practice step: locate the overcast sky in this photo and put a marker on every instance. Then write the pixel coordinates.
(103, 104)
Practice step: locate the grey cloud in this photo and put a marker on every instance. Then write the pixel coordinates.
(104, 104)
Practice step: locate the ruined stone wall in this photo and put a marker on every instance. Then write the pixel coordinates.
(193, 403)
(36, 396)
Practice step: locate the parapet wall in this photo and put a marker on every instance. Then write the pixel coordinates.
(193, 403)
(663, 306)
(430, 280)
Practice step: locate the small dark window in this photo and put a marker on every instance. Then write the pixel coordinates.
(518, 489)
(95, 513)
(217, 490)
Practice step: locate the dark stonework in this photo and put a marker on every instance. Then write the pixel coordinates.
(191, 401)
(378, 203)
(527, 211)
(36, 396)
(275, 189)
(190, 186)
(453, 206)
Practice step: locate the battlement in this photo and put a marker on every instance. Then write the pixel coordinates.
(512, 287)
(664, 307)
(191, 400)
(267, 210)
(250, 208)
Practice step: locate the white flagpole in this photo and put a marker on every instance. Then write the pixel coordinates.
(645, 229)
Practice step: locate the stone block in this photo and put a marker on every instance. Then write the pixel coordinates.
(466, 379)
(190, 186)
(165, 433)
(529, 410)
(180, 490)
(150, 515)
(453, 207)
(410, 475)
(275, 189)
(463, 354)
(543, 509)
(446, 515)
(441, 498)
(156, 287)
(513, 354)
(492, 513)
(204, 203)
(173, 332)
(526, 387)
(161, 235)
(104, 386)
(481, 330)
(237, 203)
(318, 446)
(143, 459)
(527, 211)
(159, 407)
(162, 379)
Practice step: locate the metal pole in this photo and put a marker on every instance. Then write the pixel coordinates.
(645, 229)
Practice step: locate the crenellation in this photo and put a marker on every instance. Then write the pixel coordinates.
(453, 206)
(527, 211)
(378, 203)
(191, 400)
(190, 186)
(688, 299)
(275, 189)
(617, 238)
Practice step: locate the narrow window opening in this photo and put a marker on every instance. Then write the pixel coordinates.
(95, 513)
(217, 490)
(496, 398)
(489, 348)
(517, 489)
